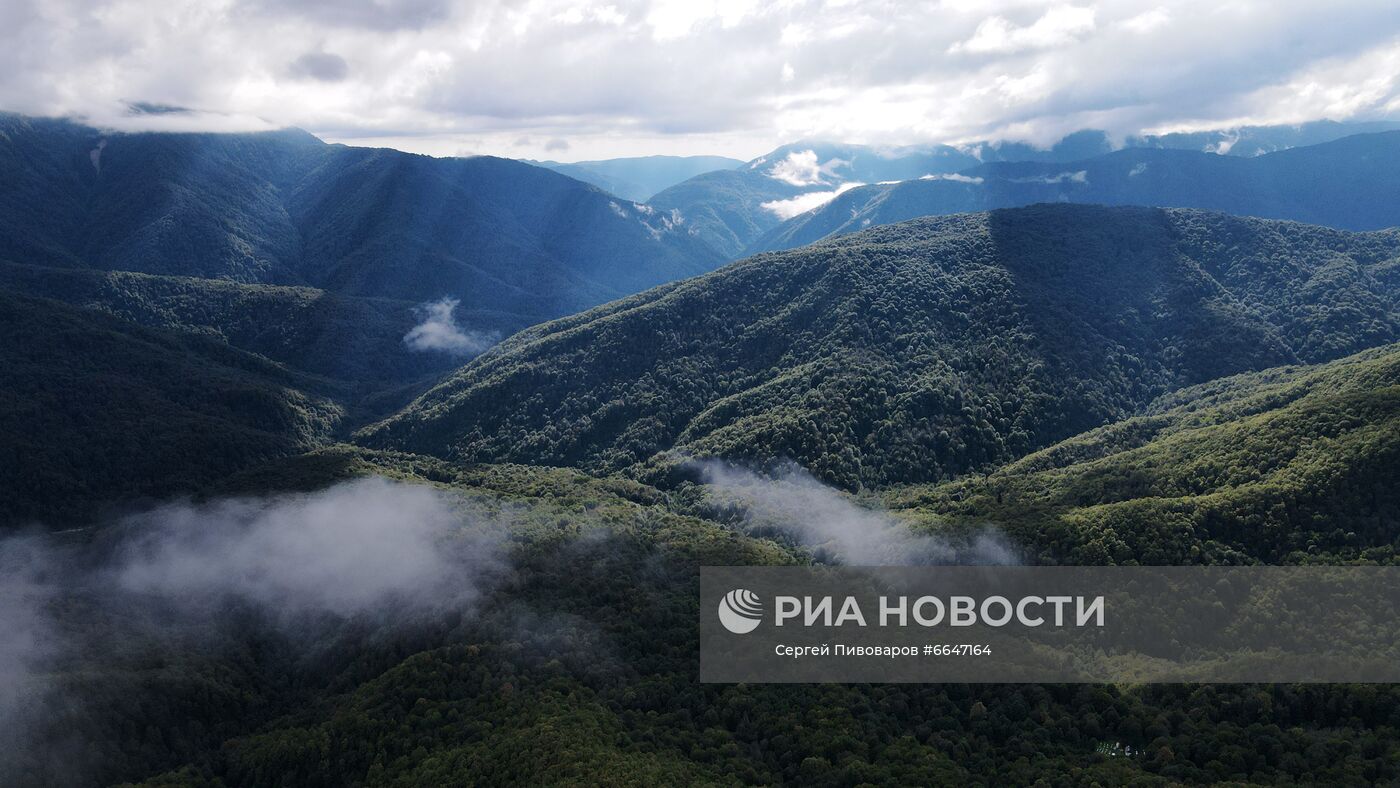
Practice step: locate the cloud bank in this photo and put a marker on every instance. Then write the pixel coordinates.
(353, 548)
(663, 76)
(365, 547)
(370, 552)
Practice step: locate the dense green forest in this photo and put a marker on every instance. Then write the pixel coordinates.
(916, 352)
(95, 410)
(1348, 183)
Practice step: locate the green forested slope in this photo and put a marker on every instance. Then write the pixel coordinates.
(95, 410)
(917, 351)
(579, 667)
(1287, 465)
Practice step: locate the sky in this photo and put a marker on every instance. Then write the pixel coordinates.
(582, 80)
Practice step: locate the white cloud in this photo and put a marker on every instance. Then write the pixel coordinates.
(1080, 176)
(671, 19)
(802, 203)
(632, 77)
(1148, 21)
(952, 176)
(835, 528)
(1138, 169)
(800, 168)
(355, 547)
(1224, 145)
(373, 551)
(439, 330)
(1058, 26)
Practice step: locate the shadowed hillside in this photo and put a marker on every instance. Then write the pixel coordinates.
(513, 243)
(95, 410)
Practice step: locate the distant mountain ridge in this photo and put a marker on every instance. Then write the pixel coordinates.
(732, 210)
(637, 178)
(1351, 183)
(1244, 141)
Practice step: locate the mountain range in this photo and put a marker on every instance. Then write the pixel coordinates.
(510, 243)
(1349, 183)
(739, 211)
(916, 351)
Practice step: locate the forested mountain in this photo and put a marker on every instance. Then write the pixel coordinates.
(95, 410)
(1351, 183)
(638, 178)
(1289, 465)
(512, 243)
(917, 351)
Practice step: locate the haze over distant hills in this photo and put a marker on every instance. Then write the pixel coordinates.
(732, 210)
(638, 178)
(916, 351)
(1240, 141)
(1351, 183)
(729, 209)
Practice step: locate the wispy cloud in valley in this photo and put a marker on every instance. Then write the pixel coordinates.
(440, 332)
(793, 503)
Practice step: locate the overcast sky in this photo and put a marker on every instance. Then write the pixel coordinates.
(579, 80)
